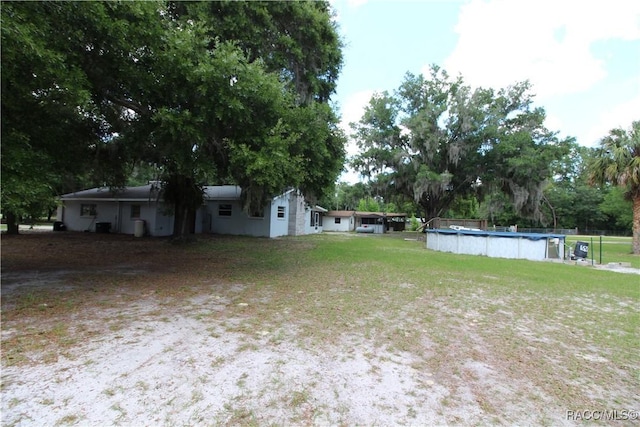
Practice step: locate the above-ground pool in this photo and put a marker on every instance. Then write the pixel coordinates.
(533, 246)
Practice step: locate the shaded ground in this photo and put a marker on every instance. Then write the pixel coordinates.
(103, 330)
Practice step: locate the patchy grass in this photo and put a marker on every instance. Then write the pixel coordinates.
(608, 249)
(453, 334)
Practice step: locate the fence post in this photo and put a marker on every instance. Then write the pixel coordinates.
(601, 249)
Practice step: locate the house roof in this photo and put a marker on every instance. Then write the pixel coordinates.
(141, 193)
(380, 214)
(346, 214)
(222, 192)
(341, 214)
(150, 192)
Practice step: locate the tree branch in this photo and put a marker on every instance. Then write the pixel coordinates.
(138, 108)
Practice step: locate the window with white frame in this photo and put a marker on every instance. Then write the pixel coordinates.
(225, 209)
(281, 212)
(135, 211)
(88, 209)
(337, 220)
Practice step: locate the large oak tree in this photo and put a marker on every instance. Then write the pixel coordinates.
(209, 93)
(435, 140)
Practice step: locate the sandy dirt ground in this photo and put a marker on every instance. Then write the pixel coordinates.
(181, 371)
(141, 358)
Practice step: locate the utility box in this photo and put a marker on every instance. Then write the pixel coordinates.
(103, 227)
(581, 250)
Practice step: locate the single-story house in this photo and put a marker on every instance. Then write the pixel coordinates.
(104, 210)
(379, 222)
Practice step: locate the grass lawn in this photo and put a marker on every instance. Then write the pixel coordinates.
(325, 329)
(610, 248)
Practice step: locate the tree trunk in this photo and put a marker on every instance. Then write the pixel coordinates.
(12, 223)
(636, 224)
(553, 212)
(187, 198)
(180, 228)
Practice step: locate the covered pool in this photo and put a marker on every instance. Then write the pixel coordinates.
(533, 246)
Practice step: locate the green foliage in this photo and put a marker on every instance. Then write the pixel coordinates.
(414, 223)
(617, 162)
(436, 140)
(577, 205)
(319, 148)
(618, 208)
(142, 173)
(368, 205)
(296, 40)
(48, 115)
(463, 207)
(198, 93)
(346, 196)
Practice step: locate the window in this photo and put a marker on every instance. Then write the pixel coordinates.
(135, 211)
(281, 212)
(337, 220)
(224, 209)
(88, 209)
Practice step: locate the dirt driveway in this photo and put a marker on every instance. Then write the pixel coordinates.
(116, 331)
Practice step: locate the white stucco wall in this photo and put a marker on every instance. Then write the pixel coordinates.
(147, 214)
(161, 224)
(279, 226)
(239, 223)
(346, 223)
(105, 212)
(118, 214)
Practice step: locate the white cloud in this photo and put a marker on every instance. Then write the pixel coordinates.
(620, 116)
(350, 177)
(553, 122)
(352, 111)
(338, 5)
(547, 42)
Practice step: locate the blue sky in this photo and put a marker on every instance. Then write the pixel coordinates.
(583, 57)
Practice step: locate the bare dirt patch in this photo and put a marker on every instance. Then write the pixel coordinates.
(112, 330)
